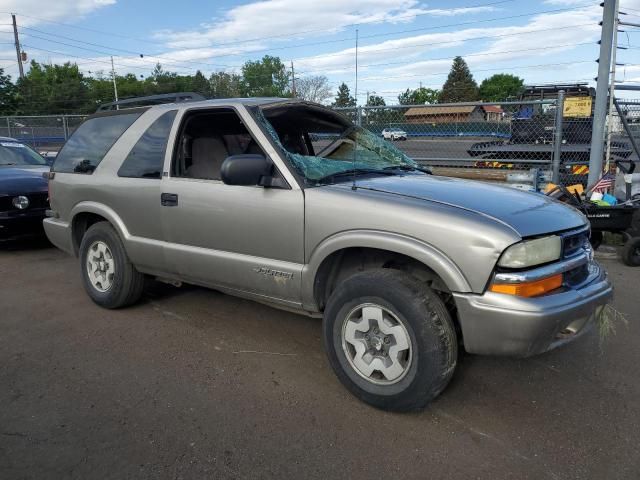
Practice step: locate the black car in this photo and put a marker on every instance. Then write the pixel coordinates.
(23, 190)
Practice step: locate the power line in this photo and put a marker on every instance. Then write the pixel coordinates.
(484, 37)
(237, 42)
(464, 56)
(244, 53)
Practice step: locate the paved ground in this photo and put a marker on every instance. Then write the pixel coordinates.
(195, 384)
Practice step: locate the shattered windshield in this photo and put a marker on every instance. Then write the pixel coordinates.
(325, 147)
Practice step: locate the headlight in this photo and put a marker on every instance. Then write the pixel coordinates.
(20, 202)
(531, 252)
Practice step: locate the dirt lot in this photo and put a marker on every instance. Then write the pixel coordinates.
(195, 384)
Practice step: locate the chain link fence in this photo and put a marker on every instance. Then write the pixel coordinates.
(525, 144)
(44, 133)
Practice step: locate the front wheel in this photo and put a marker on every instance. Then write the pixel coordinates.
(390, 339)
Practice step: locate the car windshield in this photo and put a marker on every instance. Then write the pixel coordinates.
(325, 147)
(15, 153)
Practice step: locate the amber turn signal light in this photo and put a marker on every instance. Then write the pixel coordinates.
(529, 289)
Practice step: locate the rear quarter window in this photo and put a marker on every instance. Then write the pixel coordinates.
(146, 158)
(88, 145)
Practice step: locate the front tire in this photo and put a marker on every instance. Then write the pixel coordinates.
(108, 276)
(390, 339)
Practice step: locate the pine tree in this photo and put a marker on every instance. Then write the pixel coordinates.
(343, 97)
(460, 85)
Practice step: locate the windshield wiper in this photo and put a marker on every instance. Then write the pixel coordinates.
(409, 168)
(351, 173)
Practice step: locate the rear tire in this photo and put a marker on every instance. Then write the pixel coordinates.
(631, 252)
(108, 275)
(390, 339)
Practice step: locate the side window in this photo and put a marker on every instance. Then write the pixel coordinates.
(146, 158)
(88, 145)
(206, 139)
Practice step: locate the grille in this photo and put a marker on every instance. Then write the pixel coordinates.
(575, 243)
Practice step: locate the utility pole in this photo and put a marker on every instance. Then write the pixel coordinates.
(612, 84)
(602, 87)
(17, 41)
(115, 86)
(293, 80)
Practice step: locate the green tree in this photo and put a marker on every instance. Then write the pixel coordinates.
(265, 78)
(8, 99)
(419, 96)
(225, 85)
(200, 84)
(375, 101)
(460, 85)
(53, 89)
(500, 87)
(343, 97)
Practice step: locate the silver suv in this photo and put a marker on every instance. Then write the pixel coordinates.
(289, 203)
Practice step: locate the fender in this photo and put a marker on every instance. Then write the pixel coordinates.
(421, 251)
(141, 251)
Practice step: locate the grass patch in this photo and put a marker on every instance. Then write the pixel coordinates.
(608, 320)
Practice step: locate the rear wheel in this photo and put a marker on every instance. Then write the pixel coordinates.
(109, 277)
(390, 339)
(631, 252)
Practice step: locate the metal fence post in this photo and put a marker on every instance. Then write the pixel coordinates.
(359, 116)
(8, 127)
(65, 127)
(602, 87)
(557, 138)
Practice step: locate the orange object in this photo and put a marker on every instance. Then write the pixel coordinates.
(529, 289)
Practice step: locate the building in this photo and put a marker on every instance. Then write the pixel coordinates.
(454, 114)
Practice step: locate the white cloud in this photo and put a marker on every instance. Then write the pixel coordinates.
(274, 19)
(58, 10)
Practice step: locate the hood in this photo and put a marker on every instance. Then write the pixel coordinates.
(527, 213)
(22, 179)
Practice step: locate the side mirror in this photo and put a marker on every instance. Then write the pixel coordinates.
(250, 170)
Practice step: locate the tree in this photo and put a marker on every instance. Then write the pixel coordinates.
(343, 97)
(8, 100)
(460, 85)
(225, 85)
(54, 89)
(500, 87)
(419, 96)
(313, 89)
(375, 101)
(200, 84)
(265, 78)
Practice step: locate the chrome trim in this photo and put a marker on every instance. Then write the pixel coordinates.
(542, 272)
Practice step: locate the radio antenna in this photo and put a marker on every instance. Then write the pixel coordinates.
(355, 142)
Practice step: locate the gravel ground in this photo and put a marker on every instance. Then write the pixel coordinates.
(192, 383)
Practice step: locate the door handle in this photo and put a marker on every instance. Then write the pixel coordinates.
(169, 199)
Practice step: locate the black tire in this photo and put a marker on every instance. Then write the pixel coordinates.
(595, 240)
(426, 320)
(127, 283)
(631, 252)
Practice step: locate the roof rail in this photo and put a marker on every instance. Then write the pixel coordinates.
(151, 100)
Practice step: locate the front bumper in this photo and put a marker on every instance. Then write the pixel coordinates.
(18, 225)
(499, 324)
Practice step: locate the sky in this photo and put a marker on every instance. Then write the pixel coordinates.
(401, 44)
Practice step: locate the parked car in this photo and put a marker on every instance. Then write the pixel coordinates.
(404, 267)
(394, 134)
(23, 190)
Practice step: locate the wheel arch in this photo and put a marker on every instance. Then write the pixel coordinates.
(387, 246)
(85, 214)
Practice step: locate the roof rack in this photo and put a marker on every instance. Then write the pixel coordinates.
(151, 100)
